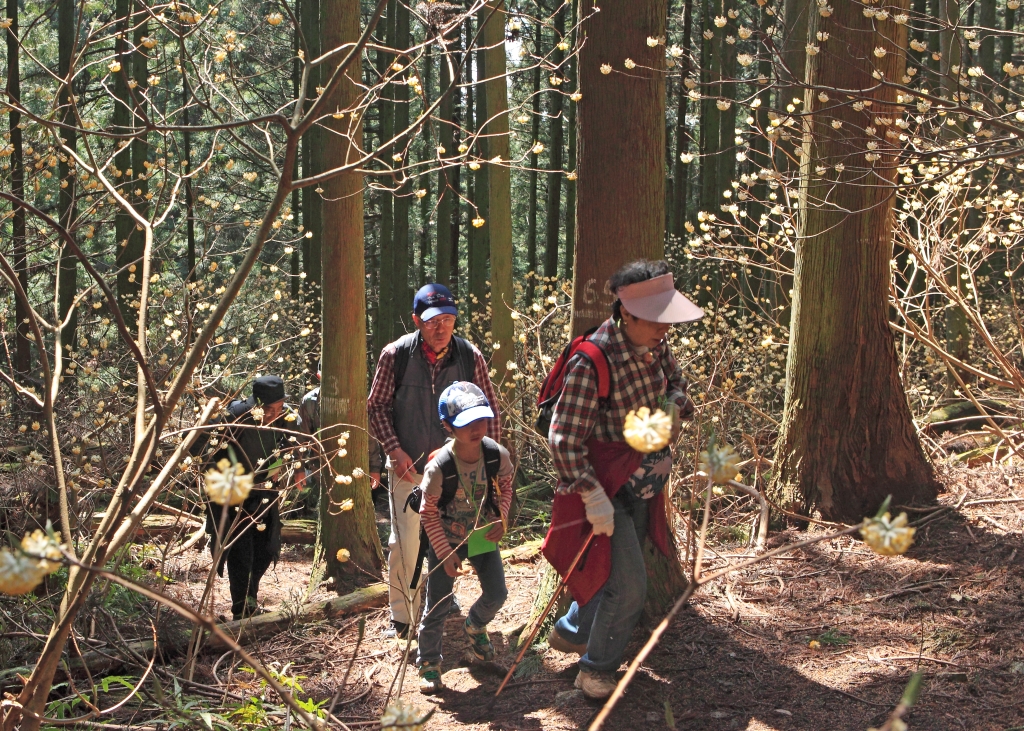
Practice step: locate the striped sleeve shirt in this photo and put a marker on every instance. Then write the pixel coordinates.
(430, 515)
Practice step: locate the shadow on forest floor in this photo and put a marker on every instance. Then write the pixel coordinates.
(741, 657)
(824, 638)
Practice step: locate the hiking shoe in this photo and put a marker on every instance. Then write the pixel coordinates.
(595, 684)
(430, 678)
(557, 642)
(479, 642)
(397, 631)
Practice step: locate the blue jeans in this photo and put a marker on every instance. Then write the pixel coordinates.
(439, 599)
(605, 623)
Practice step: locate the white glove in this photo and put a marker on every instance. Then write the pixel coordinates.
(600, 512)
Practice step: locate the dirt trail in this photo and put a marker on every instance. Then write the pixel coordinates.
(823, 639)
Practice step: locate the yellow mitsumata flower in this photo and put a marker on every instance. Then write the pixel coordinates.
(719, 463)
(403, 716)
(21, 571)
(228, 484)
(888, 537)
(647, 432)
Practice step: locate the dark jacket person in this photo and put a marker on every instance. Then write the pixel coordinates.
(253, 529)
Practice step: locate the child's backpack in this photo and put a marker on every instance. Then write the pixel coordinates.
(449, 486)
(551, 389)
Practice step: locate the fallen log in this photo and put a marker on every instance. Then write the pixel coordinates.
(965, 414)
(244, 631)
(153, 527)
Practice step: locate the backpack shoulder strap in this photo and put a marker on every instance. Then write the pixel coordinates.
(465, 358)
(449, 476)
(404, 348)
(492, 467)
(492, 458)
(596, 356)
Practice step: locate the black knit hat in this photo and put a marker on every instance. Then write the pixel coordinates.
(268, 389)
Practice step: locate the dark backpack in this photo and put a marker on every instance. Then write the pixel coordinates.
(450, 486)
(463, 355)
(552, 387)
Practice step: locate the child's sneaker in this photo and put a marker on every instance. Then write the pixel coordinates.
(479, 642)
(430, 678)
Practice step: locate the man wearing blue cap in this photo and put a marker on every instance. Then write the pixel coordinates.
(402, 406)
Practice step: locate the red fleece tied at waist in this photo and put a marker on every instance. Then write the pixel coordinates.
(614, 463)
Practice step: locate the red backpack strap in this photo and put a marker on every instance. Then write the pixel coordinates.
(604, 378)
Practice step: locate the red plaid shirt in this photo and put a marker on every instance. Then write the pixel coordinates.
(578, 415)
(380, 403)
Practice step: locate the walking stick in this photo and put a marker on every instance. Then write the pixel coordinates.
(543, 616)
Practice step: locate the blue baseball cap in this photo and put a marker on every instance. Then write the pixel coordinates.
(463, 403)
(432, 300)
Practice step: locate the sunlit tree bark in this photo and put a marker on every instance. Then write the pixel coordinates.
(848, 439)
(621, 207)
(343, 386)
(499, 183)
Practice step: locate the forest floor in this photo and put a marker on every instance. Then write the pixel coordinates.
(822, 638)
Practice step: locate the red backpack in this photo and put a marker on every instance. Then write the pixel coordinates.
(552, 387)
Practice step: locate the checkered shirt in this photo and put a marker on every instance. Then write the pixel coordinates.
(381, 401)
(578, 415)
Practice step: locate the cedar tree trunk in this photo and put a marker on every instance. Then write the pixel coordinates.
(621, 186)
(343, 388)
(848, 439)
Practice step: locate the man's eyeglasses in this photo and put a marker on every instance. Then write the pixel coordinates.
(437, 323)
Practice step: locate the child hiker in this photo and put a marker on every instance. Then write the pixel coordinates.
(466, 494)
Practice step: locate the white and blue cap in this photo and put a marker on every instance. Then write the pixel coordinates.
(463, 403)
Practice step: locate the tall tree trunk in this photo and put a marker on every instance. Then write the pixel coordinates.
(426, 155)
(138, 181)
(531, 187)
(67, 284)
(124, 107)
(761, 157)
(727, 120)
(934, 11)
(1006, 42)
(621, 215)
(570, 182)
(445, 196)
(681, 170)
(987, 56)
(479, 251)
(499, 184)
(848, 437)
(919, 33)
(296, 257)
(388, 308)
(556, 141)
(312, 164)
(343, 387)
(400, 242)
(186, 153)
(455, 173)
(22, 346)
(710, 123)
(958, 330)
